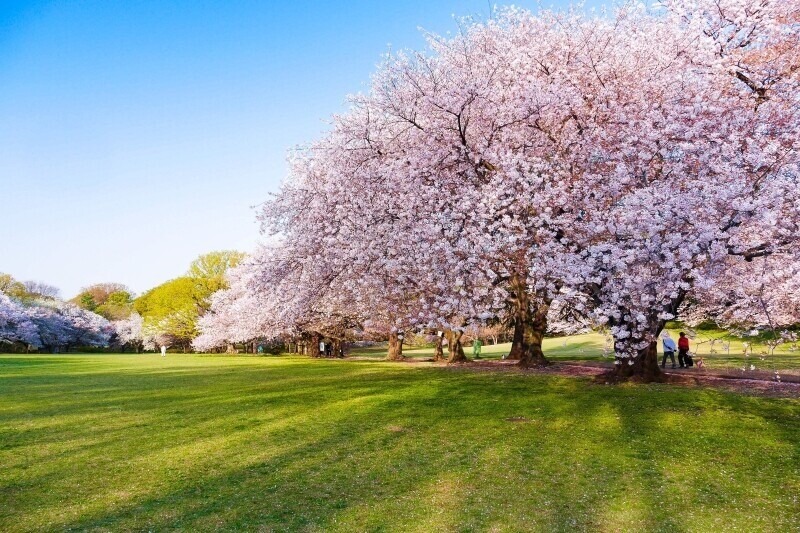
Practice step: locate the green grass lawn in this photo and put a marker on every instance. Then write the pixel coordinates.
(124, 442)
(590, 347)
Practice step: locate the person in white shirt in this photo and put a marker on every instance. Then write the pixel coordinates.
(669, 349)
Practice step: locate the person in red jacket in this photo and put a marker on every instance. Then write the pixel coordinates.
(683, 350)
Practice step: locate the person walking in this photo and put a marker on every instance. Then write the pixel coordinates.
(669, 349)
(683, 350)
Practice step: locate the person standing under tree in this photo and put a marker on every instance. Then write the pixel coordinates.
(683, 350)
(476, 348)
(669, 349)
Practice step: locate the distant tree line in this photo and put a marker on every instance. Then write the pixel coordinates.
(109, 316)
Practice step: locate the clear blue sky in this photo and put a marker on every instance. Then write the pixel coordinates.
(138, 135)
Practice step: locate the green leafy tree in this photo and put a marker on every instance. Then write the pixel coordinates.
(86, 301)
(113, 301)
(171, 310)
(209, 269)
(13, 288)
(118, 306)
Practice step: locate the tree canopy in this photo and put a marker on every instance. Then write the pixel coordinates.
(114, 301)
(613, 165)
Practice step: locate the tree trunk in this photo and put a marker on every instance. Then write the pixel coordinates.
(521, 309)
(456, 350)
(530, 326)
(438, 353)
(644, 367)
(395, 348)
(516, 340)
(313, 345)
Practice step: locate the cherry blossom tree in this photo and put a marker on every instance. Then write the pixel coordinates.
(269, 297)
(15, 324)
(610, 163)
(129, 332)
(237, 314)
(717, 159)
(62, 325)
(427, 227)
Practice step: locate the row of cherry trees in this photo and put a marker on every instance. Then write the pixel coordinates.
(621, 167)
(107, 315)
(51, 325)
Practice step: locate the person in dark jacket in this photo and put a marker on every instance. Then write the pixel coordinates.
(683, 350)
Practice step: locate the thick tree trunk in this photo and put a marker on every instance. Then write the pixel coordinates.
(644, 364)
(438, 352)
(456, 350)
(530, 326)
(516, 340)
(644, 367)
(521, 309)
(313, 345)
(395, 348)
(337, 349)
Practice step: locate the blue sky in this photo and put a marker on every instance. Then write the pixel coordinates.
(138, 135)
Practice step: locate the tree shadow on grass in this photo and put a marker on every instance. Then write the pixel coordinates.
(389, 448)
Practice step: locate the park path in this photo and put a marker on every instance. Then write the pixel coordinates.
(752, 382)
(760, 383)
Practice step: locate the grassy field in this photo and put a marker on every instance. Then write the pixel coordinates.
(124, 442)
(590, 347)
